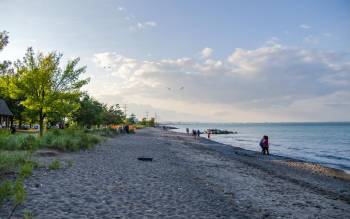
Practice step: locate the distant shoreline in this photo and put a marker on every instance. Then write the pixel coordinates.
(302, 164)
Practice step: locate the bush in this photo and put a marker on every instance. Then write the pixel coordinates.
(12, 160)
(54, 165)
(69, 140)
(18, 142)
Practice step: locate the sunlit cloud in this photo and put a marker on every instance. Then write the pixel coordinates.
(304, 26)
(273, 79)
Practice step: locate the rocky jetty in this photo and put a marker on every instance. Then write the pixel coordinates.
(219, 131)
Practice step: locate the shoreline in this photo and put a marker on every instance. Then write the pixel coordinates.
(335, 167)
(337, 171)
(187, 179)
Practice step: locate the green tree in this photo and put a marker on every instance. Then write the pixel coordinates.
(46, 86)
(132, 119)
(4, 39)
(151, 122)
(7, 74)
(89, 112)
(112, 115)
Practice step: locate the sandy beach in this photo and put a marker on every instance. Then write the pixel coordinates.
(187, 178)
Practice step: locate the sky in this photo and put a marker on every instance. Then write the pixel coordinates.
(195, 60)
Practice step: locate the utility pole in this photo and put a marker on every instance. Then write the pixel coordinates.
(155, 118)
(147, 115)
(125, 108)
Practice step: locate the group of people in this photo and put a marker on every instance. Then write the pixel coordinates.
(195, 133)
(264, 142)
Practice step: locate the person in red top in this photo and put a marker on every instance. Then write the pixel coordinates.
(264, 144)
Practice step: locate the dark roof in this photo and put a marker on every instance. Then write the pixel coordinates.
(4, 109)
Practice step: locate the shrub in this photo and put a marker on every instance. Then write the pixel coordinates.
(69, 140)
(26, 170)
(54, 165)
(18, 142)
(5, 191)
(12, 160)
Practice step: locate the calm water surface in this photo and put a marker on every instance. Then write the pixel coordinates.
(324, 143)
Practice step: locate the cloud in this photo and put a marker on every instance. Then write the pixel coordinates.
(271, 82)
(134, 23)
(143, 25)
(304, 26)
(311, 40)
(206, 52)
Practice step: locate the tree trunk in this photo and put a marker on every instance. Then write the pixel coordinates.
(41, 123)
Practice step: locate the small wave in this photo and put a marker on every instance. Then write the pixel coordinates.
(246, 140)
(334, 157)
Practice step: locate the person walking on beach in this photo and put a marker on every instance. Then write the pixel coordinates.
(194, 133)
(209, 134)
(198, 133)
(188, 131)
(264, 144)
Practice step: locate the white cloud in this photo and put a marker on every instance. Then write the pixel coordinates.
(206, 52)
(271, 82)
(304, 26)
(143, 25)
(134, 23)
(311, 40)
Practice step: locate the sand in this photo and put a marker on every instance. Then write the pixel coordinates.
(187, 178)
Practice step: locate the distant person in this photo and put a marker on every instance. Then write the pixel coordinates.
(198, 133)
(188, 131)
(194, 133)
(127, 129)
(209, 133)
(264, 144)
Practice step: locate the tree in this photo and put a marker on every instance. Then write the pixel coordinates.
(46, 86)
(112, 115)
(89, 112)
(4, 39)
(151, 122)
(132, 119)
(6, 76)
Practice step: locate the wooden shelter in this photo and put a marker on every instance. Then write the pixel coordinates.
(6, 116)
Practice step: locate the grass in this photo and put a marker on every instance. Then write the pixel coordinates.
(18, 142)
(10, 161)
(55, 165)
(69, 140)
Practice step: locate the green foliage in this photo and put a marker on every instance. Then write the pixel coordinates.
(26, 170)
(132, 119)
(69, 140)
(18, 142)
(12, 160)
(20, 193)
(148, 123)
(92, 112)
(55, 165)
(5, 191)
(48, 89)
(105, 132)
(4, 39)
(28, 214)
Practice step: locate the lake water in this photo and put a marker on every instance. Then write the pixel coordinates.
(324, 143)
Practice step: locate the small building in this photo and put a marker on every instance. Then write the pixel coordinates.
(6, 116)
